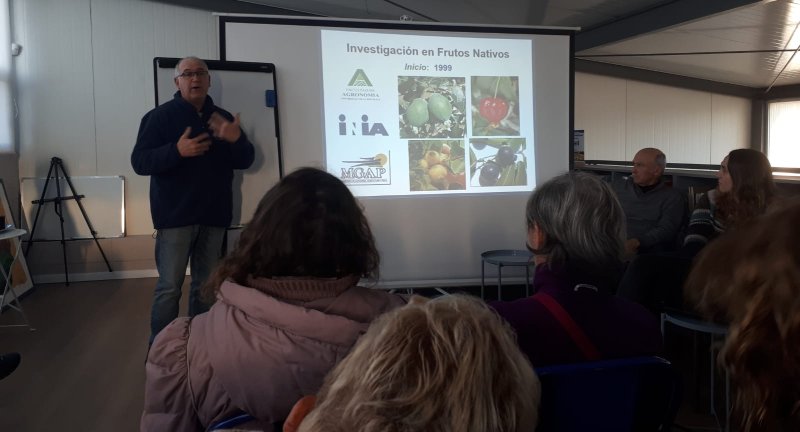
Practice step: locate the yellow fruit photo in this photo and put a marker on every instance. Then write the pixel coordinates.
(436, 165)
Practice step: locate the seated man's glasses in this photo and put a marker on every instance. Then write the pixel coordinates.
(192, 74)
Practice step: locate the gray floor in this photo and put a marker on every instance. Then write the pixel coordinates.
(83, 367)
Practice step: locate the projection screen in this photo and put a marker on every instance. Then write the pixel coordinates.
(442, 131)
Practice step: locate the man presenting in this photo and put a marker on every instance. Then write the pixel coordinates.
(189, 147)
(654, 212)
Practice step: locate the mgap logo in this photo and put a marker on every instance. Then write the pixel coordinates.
(360, 88)
(373, 170)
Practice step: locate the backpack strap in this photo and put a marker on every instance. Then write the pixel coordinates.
(572, 328)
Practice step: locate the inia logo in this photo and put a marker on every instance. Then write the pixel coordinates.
(365, 128)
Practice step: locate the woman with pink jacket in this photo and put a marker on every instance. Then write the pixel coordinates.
(287, 310)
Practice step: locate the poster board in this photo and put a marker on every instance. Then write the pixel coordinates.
(104, 202)
(578, 144)
(20, 277)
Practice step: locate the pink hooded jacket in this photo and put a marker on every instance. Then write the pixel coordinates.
(253, 352)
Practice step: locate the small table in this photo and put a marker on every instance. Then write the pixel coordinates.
(506, 258)
(717, 333)
(10, 234)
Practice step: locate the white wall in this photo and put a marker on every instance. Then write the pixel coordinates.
(85, 78)
(621, 116)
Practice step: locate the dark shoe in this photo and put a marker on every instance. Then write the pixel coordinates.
(8, 363)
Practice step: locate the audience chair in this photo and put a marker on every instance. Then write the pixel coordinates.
(717, 334)
(240, 422)
(638, 394)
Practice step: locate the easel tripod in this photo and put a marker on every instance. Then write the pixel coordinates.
(53, 173)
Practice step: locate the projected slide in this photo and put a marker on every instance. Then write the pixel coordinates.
(409, 115)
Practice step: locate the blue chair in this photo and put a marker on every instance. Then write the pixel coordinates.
(231, 422)
(638, 394)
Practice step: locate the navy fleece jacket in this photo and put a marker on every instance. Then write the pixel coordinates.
(194, 190)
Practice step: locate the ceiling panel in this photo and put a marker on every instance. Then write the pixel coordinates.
(635, 33)
(752, 69)
(589, 13)
(567, 13)
(727, 47)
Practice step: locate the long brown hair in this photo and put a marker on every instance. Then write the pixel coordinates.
(308, 225)
(750, 278)
(753, 187)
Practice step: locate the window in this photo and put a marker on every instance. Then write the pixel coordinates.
(783, 134)
(6, 123)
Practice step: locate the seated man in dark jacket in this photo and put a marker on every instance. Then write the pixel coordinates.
(654, 212)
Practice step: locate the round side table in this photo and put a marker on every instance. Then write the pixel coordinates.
(506, 258)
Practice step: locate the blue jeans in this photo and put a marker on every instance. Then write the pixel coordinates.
(174, 247)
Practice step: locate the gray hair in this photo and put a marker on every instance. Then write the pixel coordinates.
(178, 65)
(660, 157)
(582, 220)
(661, 160)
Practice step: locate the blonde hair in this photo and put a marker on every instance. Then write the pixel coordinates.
(750, 278)
(445, 365)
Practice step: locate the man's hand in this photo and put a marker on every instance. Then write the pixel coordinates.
(192, 147)
(631, 246)
(223, 129)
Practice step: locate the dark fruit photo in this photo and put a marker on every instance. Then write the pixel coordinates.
(490, 173)
(432, 107)
(498, 162)
(495, 106)
(436, 165)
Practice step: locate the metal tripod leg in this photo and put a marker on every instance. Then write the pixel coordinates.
(83, 212)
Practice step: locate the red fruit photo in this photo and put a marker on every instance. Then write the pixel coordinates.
(495, 106)
(493, 109)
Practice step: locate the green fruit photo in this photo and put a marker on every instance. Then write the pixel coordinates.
(432, 107)
(497, 162)
(495, 105)
(435, 165)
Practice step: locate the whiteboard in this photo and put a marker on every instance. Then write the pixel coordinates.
(239, 87)
(104, 202)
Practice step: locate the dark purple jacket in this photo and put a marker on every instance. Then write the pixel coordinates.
(616, 327)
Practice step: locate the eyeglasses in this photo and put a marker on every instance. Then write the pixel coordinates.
(190, 74)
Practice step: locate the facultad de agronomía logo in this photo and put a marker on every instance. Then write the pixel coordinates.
(360, 88)
(370, 170)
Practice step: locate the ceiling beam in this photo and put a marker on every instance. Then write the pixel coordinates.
(662, 78)
(650, 20)
(232, 6)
